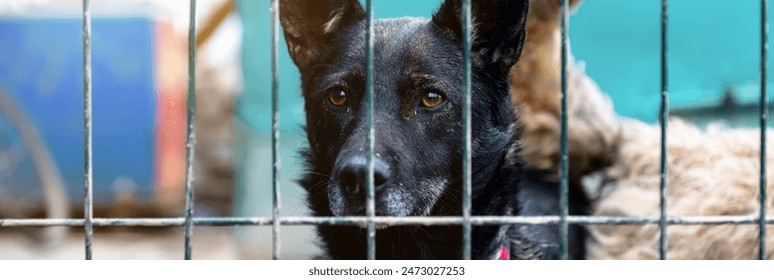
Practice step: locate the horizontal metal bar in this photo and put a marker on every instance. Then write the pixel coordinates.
(387, 221)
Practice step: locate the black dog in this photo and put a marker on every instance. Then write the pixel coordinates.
(418, 87)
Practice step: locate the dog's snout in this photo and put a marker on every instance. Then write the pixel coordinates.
(352, 175)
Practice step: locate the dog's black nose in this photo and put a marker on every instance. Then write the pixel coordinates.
(352, 175)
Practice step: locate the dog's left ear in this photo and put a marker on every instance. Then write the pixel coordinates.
(498, 29)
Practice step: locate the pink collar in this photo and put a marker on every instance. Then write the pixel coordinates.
(504, 255)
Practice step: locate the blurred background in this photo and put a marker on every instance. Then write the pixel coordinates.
(139, 85)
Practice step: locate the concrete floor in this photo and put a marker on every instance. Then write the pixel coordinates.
(208, 244)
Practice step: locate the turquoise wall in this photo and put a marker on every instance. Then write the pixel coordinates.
(712, 44)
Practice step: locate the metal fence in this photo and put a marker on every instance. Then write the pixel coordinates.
(370, 220)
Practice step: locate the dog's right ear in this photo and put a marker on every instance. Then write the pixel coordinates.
(309, 24)
(499, 29)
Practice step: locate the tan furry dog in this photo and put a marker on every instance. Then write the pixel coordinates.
(713, 172)
(536, 90)
(710, 173)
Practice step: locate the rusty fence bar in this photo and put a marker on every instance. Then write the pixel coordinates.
(191, 134)
(664, 123)
(370, 138)
(564, 138)
(275, 139)
(763, 123)
(88, 203)
(467, 134)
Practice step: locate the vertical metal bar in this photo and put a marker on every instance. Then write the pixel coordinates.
(275, 129)
(370, 192)
(764, 117)
(88, 213)
(467, 185)
(564, 160)
(191, 136)
(664, 121)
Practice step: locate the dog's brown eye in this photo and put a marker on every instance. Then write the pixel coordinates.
(432, 99)
(337, 98)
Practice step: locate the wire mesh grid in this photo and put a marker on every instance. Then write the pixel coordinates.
(370, 220)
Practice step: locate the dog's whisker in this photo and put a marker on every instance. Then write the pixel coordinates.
(312, 172)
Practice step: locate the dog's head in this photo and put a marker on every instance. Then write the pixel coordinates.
(418, 97)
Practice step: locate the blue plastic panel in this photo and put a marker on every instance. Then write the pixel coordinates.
(41, 67)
